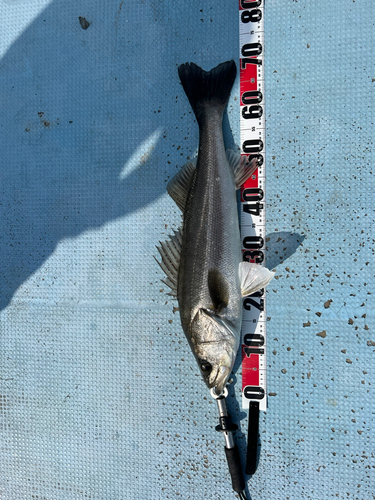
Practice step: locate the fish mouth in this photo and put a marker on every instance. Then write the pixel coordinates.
(221, 379)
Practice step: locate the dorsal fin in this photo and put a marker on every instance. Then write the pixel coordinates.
(242, 168)
(170, 252)
(178, 187)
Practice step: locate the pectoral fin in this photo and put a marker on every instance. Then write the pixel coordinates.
(218, 288)
(178, 187)
(242, 168)
(253, 277)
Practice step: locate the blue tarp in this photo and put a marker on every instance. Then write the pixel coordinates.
(99, 393)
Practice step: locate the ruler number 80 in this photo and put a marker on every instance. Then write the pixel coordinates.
(253, 15)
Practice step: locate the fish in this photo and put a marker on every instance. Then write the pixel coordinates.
(203, 259)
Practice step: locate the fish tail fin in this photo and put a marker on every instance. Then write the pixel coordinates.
(207, 88)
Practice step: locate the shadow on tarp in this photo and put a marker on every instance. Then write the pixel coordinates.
(280, 246)
(79, 103)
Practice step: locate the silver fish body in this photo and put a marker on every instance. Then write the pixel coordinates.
(203, 261)
(209, 293)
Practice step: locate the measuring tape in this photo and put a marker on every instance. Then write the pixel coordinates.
(253, 219)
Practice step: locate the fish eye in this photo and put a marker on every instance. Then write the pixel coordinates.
(206, 366)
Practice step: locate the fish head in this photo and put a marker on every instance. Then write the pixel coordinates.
(215, 343)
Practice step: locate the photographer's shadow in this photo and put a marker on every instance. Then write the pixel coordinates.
(78, 150)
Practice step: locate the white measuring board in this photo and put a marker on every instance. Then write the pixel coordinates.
(253, 218)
